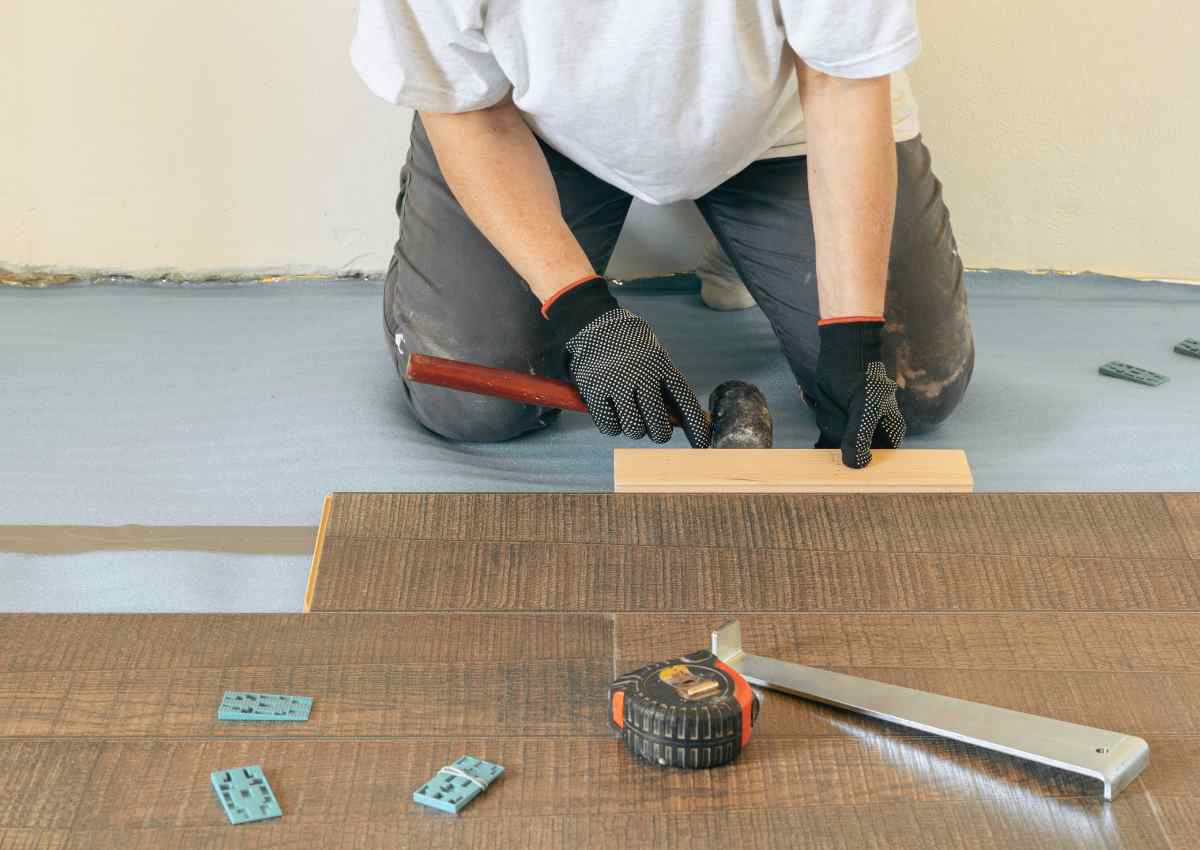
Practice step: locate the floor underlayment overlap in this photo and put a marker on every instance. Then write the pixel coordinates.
(245, 404)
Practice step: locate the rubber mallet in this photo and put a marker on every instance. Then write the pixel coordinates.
(738, 410)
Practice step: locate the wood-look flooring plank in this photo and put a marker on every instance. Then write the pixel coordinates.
(1185, 508)
(1030, 823)
(363, 574)
(433, 831)
(42, 784)
(1174, 769)
(1082, 525)
(1001, 824)
(53, 642)
(1098, 643)
(868, 789)
(427, 699)
(1179, 818)
(164, 785)
(550, 698)
(32, 839)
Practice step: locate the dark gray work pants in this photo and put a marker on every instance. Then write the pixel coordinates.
(449, 293)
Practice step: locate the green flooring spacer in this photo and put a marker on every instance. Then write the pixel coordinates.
(452, 788)
(244, 705)
(1126, 372)
(245, 795)
(1190, 347)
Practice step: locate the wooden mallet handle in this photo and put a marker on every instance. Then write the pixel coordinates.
(487, 380)
(501, 383)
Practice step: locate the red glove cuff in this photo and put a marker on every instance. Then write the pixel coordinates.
(846, 320)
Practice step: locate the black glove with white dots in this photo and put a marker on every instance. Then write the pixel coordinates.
(855, 399)
(622, 371)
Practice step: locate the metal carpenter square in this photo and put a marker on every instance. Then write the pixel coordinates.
(244, 794)
(1126, 372)
(243, 705)
(1114, 758)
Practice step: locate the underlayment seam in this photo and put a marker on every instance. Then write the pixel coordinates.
(228, 539)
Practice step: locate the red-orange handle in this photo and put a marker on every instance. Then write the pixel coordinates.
(488, 380)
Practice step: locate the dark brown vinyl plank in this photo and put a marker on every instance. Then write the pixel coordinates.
(58, 643)
(1185, 508)
(426, 699)
(1032, 823)
(165, 785)
(1004, 823)
(32, 839)
(433, 831)
(42, 784)
(548, 698)
(1179, 818)
(359, 574)
(1174, 769)
(1082, 525)
(1097, 643)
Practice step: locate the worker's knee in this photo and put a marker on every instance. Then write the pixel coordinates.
(928, 397)
(470, 418)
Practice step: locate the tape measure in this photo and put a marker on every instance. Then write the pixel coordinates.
(693, 712)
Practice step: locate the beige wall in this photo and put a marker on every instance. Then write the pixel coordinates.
(195, 135)
(1067, 132)
(148, 135)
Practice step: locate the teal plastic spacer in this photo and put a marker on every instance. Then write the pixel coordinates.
(245, 795)
(244, 705)
(1190, 347)
(457, 784)
(1126, 372)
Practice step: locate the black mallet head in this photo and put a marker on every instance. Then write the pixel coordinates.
(740, 418)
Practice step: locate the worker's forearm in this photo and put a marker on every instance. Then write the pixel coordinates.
(497, 171)
(852, 188)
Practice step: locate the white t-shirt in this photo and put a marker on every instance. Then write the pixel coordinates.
(662, 98)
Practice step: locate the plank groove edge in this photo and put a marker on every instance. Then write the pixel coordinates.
(789, 471)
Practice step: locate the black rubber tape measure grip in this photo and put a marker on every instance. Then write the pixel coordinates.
(693, 712)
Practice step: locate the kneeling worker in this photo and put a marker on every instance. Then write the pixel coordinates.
(789, 123)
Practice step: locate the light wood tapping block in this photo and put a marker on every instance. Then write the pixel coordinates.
(789, 471)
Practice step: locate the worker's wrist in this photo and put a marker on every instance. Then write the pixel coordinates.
(577, 304)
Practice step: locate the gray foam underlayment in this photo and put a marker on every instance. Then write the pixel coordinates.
(159, 582)
(246, 404)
